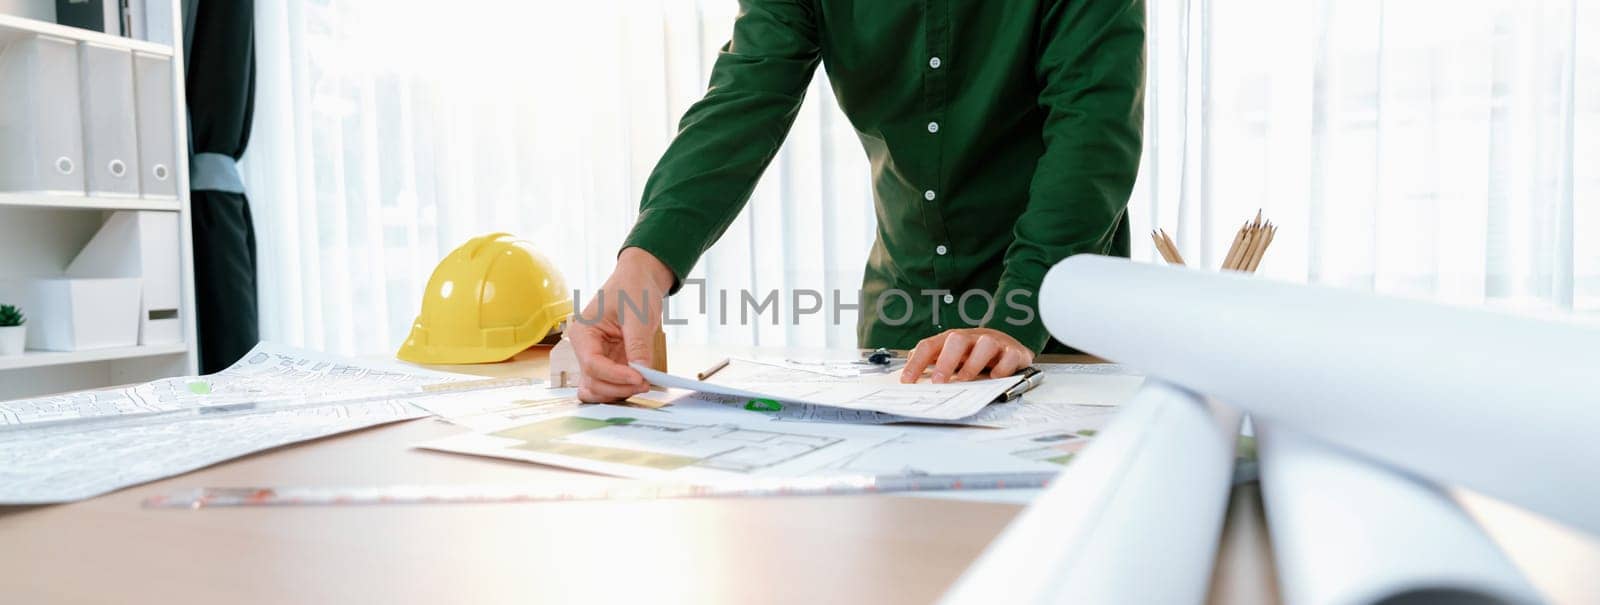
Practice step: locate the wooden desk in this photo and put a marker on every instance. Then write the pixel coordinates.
(854, 549)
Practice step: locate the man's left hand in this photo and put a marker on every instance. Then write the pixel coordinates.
(963, 354)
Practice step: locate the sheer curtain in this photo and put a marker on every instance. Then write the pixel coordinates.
(1442, 150)
(1409, 146)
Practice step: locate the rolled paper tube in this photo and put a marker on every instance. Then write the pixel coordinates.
(1386, 537)
(1505, 405)
(1134, 518)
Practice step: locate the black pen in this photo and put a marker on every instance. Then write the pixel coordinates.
(1031, 377)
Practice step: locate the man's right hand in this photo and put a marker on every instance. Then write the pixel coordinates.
(608, 333)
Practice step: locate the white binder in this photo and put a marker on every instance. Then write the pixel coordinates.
(133, 18)
(157, 150)
(142, 244)
(110, 153)
(149, 19)
(159, 22)
(41, 137)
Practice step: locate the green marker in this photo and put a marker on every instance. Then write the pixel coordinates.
(200, 387)
(763, 405)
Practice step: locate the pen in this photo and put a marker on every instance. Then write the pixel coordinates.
(880, 357)
(1031, 377)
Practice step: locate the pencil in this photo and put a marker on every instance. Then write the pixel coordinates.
(716, 367)
(1254, 254)
(1172, 247)
(1271, 231)
(1233, 250)
(1244, 248)
(1160, 249)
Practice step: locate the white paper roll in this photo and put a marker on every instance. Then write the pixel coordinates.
(1346, 531)
(1506, 405)
(1135, 518)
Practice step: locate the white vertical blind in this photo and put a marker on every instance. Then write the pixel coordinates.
(1429, 149)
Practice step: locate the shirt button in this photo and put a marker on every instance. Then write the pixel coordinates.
(949, 298)
(933, 127)
(928, 195)
(933, 63)
(941, 250)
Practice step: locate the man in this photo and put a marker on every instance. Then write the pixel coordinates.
(1003, 137)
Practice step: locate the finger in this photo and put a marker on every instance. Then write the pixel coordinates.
(639, 329)
(927, 350)
(608, 371)
(588, 344)
(587, 394)
(983, 352)
(594, 391)
(1010, 361)
(600, 351)
(586, 339)
(956, 346)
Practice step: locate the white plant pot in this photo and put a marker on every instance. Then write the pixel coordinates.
(12, 339)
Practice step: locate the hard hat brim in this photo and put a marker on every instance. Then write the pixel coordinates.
(459, 355)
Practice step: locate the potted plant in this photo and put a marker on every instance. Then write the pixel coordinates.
(12, 330)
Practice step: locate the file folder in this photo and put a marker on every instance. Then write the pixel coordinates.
(111, 156)
(41, 136)
(77, 314)
(142, 244)
(152, 84)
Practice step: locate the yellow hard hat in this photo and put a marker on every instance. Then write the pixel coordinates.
(487, 301)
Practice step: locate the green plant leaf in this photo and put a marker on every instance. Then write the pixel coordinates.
(11, 316)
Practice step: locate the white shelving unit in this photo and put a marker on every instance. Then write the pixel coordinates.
(41, 233)
(84, 202)
(36, 359)
(12, 26)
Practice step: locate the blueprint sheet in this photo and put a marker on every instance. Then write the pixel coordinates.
(1068, 392)
(653, 444)
(46, 464)
(63, 467)
(868, 392)
(495, 408)
(267, 371)
(700, 437)
(1020, 413)
(1104, 384)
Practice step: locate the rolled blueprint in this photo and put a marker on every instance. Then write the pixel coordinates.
(1505, 405)
(1347, 531)
(1134, 518)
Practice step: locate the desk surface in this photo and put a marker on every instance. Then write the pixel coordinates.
(879, 549)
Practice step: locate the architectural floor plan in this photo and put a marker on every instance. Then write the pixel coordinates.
(641, 443)
(266, 371)
(878, 393)
(79, 445)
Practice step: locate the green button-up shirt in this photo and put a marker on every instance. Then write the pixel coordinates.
(1004, 136)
